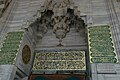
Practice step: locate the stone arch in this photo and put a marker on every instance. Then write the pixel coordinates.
(60, 21)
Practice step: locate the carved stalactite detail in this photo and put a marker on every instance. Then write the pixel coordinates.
(60, 27)
(59, 16)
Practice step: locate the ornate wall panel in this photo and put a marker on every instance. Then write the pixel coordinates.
(10, 47)
(71, 60)
(26, 54)
(101, 46)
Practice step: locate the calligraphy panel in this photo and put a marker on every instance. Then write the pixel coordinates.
(101, 46)
(10, 47)
(70, 60)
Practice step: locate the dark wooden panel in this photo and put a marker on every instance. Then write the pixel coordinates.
(58, 76)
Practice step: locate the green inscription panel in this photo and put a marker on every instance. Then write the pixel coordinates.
(10, 47)
(101, 47)
(69, 60)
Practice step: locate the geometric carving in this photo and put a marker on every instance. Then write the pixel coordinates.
(101, 45)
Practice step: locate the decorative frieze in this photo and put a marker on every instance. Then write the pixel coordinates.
(71, 60)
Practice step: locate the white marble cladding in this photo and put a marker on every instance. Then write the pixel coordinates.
(112, 77)
(112, 8)
(21, 11)
(105, 71)
(7, 72)
(96, 12)
(117, 8)
(72, 38)
(105, 76)
(108, 68)
(117, 30)
(103, 68)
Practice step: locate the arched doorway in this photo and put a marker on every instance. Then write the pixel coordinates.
(61, 40)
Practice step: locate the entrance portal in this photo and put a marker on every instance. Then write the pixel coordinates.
(61, 44)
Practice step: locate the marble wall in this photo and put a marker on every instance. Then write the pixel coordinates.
(98, 12)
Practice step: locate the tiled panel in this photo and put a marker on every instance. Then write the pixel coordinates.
(101, 46)
(71, 60)
(10, 47)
